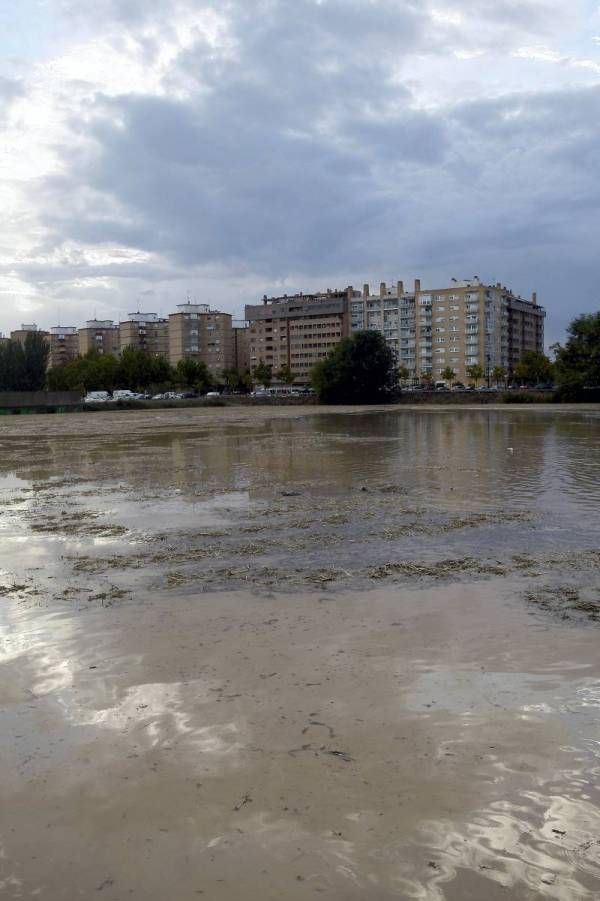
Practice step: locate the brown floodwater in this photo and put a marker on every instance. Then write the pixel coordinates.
(293, 653)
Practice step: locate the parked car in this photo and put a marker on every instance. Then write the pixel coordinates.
(213, 394)
(124, 394)
(96, 397)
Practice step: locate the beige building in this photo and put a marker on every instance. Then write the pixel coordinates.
(147, 332)
(101, 335)
(241, 346)
(198, 333)
(298, 331)
(468, 323)
(20, 335)
(64, 345)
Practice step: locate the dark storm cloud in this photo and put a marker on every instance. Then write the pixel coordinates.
(296, 149)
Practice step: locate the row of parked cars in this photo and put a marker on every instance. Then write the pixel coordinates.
(105, 397)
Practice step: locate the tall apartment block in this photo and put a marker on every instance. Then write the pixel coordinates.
(298, 331)
(392, 312)
(101, 335)
(198, 333)
(468, 323)
(145, 331)
(64, 345)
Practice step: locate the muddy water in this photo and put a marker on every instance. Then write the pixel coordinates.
(278, 654)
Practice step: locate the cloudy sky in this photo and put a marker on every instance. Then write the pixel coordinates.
(155, 148)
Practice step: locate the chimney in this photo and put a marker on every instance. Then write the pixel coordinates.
(534, 298)
(400, 289)
(417, 285)
(382, 289)
(365, 290)
(349, 292)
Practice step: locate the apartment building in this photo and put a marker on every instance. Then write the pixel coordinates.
(20, 335)
(147, 332)
(298, 331)
(392, 311)
(468, 323)
(241, 346)
(525, 328)
(101, 335)
(63, 343)
(198, 333)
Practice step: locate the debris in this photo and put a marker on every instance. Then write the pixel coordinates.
(246, 799)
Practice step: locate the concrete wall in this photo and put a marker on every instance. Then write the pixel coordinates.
(14, 400)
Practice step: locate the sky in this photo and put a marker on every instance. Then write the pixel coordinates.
(153, 151)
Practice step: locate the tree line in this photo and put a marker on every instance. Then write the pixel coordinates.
(360, 369)
(23, 365)
(363, 368)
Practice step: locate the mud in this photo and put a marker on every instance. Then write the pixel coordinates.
(287, 654)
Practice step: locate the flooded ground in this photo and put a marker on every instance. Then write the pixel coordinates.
(290, 653)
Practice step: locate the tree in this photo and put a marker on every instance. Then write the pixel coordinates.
(427, 376)
(35, 361)
(578, 362)
(448, 374)
(475, 372)
(263, 373)
(534, 367)
(285, 375)
(360, 369)
(192, 374)
(12, 365)
(402, 373)
(498, 374)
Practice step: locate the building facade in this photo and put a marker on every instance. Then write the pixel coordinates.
(393, 313)
(63, 344)
(101, 335)
(20, 335)
(241, 346)
(440, 329)
(198, 333)
(298, 331)
(147, 332)
(525, 328)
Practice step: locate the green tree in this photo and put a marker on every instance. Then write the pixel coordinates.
(402, 373)
(475, 372)
(192, 374)
(498, 375)
(427, 376)
(448, 374)
(284, 374)
(235, 380)
(360, 369)
(578, 362)
(12, 366)
(534, 367)
(263, 373)
(35, 361)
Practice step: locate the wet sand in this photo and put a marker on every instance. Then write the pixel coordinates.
(292, 654)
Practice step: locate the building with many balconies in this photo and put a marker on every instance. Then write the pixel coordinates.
(101, 335)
